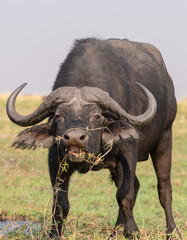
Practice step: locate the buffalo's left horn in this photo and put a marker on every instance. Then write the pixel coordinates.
(46, 108)
(103, 99)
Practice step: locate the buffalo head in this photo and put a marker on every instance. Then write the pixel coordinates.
(79, 118)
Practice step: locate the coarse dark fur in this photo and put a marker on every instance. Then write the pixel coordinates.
(113, 66)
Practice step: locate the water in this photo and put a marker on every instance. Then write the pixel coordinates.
(8, 226)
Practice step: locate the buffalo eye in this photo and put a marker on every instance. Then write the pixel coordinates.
(96, 117)
(59, 117)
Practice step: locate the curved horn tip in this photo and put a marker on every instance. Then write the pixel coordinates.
(21, 86)
(24, 84)
(10, 105)
(141, 85)
(14, 95)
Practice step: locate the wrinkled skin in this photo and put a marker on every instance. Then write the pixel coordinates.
(81, 128)
(82, 131)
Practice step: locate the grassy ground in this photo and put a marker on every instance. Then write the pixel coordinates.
(25, 190)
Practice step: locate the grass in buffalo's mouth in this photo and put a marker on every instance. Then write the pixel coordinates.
(76, 149)
(81, 153)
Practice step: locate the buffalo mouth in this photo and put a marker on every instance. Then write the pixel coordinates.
(77, 154)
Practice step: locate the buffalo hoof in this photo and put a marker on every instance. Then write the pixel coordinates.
(133, 236)
(118, 232)
(170, 236)
(53, 234)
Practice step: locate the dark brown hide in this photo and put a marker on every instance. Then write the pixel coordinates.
(91, 124)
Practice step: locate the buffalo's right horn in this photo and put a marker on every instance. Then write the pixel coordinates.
(103, 99)
(46, 108)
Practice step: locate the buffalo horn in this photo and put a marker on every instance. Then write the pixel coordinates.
(46, 108)
(90, 94)
(103, 99)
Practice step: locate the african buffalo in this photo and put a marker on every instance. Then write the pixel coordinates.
(112, 105)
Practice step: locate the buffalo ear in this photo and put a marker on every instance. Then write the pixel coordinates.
(37, 136)
(126, 133)
(118, 132)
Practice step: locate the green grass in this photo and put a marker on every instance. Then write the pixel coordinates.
(25, 189)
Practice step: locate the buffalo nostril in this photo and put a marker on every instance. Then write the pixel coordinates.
(66, 137)
(82, 137)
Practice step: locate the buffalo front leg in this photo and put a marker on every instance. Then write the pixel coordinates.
(60, 205)
(120, 219)
(161, 157)
(127, 188)
(125, 196)
(60, 181)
